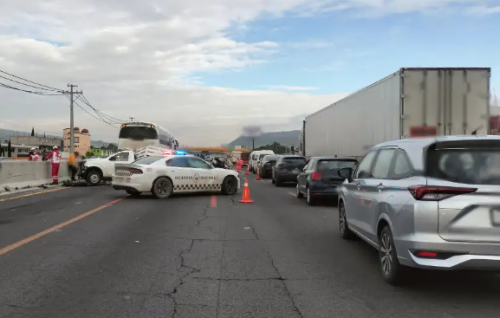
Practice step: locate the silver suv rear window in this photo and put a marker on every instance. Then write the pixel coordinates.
(471, 165)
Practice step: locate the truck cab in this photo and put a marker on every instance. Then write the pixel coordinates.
(94, 171)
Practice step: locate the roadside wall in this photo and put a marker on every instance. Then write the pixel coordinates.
(23, 174)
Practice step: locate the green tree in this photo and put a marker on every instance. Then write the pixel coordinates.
(275, 146)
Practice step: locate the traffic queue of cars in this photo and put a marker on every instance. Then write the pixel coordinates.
(427, 203)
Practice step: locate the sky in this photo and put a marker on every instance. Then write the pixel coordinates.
(205, 69)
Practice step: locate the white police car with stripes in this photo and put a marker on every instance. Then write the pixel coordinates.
(164, 175)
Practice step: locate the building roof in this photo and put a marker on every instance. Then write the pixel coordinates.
(6, 144)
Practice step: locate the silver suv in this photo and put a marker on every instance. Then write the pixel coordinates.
(430, 203)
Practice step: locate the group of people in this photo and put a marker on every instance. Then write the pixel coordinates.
(55, 160)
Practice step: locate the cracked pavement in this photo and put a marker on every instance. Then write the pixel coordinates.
(183, 258)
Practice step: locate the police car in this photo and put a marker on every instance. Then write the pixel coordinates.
(164, 175)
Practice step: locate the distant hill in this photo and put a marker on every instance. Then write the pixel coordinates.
(286, 138)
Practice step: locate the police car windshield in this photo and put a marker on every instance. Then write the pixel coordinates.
(148, 160)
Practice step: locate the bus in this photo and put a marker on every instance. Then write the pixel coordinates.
(135, 135)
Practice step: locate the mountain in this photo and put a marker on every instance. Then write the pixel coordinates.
(285, 138)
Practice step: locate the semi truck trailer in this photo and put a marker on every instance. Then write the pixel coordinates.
(410, 103)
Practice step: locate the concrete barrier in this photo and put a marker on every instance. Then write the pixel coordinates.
(24, 174)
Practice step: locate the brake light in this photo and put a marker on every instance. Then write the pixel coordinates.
(427, 254)
(135, 171)
(316, 176)
(433, 193)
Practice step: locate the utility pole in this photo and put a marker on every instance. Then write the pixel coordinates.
(72, 116)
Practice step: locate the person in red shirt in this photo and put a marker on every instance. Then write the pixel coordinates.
(55, 159)
(33, 156)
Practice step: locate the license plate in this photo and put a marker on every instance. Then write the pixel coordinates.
(296, 171)
(122, 180)
(495, 216)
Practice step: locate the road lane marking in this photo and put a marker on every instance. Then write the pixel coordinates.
(291, 193)
(213, 201)
(30, 194)
(55, 227)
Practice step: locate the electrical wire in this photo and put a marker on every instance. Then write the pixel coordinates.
(52, 91)
(101, 114)
(32, 82)
(28, 85)
(89, 113)
(27, 91)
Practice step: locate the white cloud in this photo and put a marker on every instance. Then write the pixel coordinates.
(137, 58)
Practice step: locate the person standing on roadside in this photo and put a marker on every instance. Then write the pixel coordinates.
(73, 164)
(55, 159)
(33, 155)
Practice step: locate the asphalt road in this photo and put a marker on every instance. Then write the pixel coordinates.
(94, 252)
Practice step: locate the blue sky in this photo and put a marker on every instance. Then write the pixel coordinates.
(339, 53)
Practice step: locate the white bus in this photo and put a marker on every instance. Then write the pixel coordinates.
(135, 135)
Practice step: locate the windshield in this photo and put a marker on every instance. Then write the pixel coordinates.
(294, 160)
(269, 158)
(148, 160)
(335, 164)
(138, 133)
(471, 166)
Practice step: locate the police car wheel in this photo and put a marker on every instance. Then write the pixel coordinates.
(162, 188)
(230, 185)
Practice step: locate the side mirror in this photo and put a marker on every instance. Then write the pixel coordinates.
(345, 173)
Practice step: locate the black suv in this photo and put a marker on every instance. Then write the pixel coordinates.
(287, 168)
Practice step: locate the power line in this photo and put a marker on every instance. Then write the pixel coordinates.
(52, 91)
(32, 82)
(27, 91)
(101, 114)
(88, 112)
(28, 85)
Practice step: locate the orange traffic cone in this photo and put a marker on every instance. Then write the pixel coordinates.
(246, 194)
(258, 174)
(248, 170)
(238, 166)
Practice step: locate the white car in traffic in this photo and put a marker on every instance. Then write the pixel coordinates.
(164, 175)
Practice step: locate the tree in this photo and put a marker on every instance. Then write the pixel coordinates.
(276, 147)
(43, 135)
(88, 154)
(33, 131)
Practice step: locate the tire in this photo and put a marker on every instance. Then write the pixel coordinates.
(229, 185)
(162, 188)
(309, 198)
(393, 273)
(277, 182)
(94, 177)
(133, 193)
(299, 194)
(344, 230)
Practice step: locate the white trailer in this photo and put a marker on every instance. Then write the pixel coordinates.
(412, 102)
